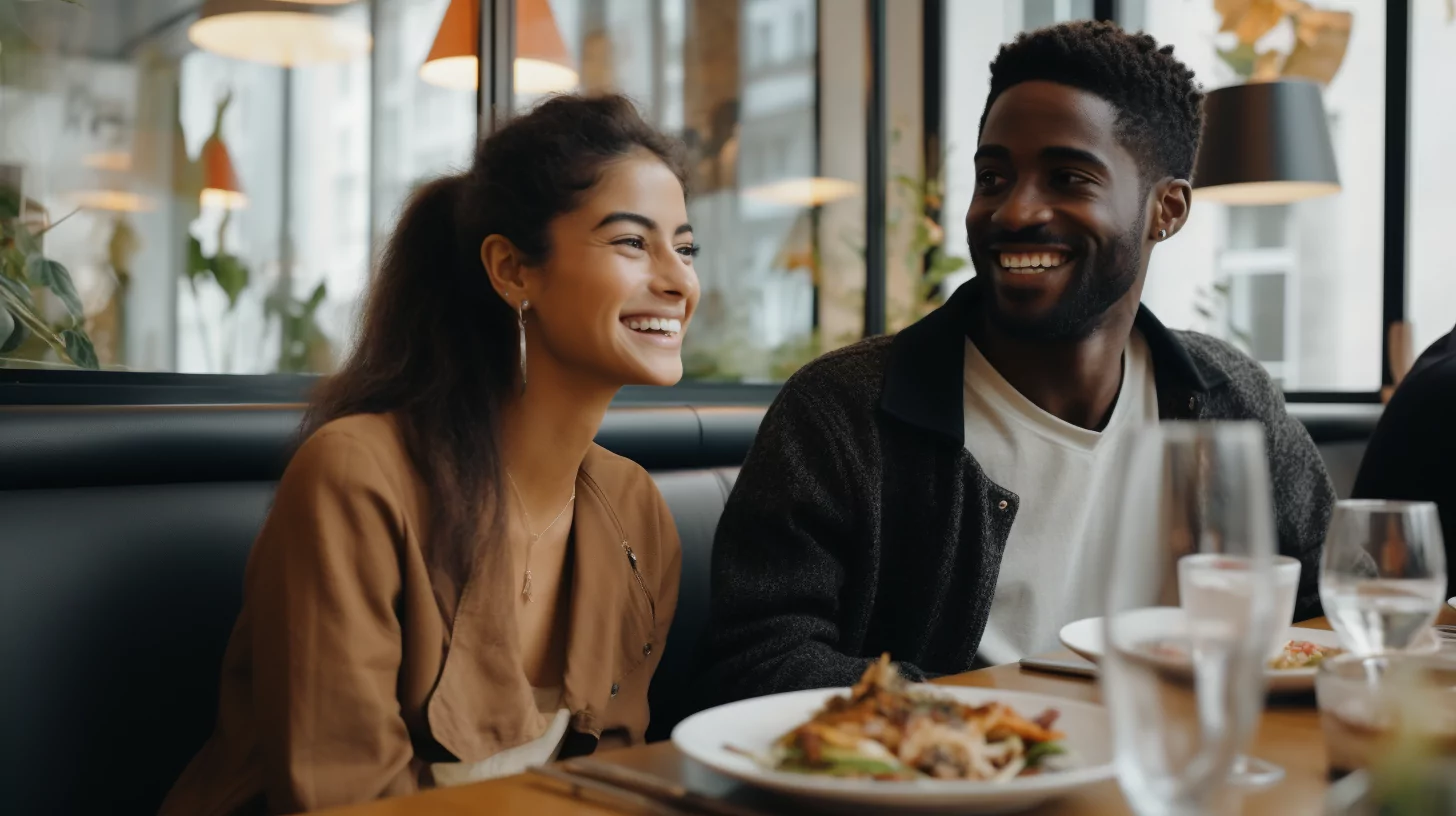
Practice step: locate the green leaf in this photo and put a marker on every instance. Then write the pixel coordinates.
(24, 241)
(944, 266)
(12, 334)
(1241, 59)
(319, 293)
(9, 203)
(12, 264)
(79, 349)
(26, 314)
(50, 274)
(17, 289)
(231, 275)
(196, 262)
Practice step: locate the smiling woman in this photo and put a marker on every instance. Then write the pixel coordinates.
(453, 451)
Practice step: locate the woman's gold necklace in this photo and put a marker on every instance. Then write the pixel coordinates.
(526, 582)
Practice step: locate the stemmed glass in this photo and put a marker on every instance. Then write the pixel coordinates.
(1185, 688)
(1383, 574)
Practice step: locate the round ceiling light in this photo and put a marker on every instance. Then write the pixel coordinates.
(280, 32)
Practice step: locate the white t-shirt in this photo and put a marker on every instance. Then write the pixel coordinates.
(1070, 481)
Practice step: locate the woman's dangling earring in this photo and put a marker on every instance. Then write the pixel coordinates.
(521, 322)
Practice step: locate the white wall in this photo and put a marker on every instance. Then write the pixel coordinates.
(1431, 270)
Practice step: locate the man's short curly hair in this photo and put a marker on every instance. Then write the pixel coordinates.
(1160, 107)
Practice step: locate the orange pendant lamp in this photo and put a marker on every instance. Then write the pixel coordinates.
(220, 186)
(542, 64)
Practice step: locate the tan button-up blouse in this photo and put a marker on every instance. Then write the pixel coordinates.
(349, 671)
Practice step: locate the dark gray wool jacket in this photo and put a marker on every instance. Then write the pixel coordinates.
(860, 523)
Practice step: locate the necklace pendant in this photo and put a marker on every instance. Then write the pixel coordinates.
(526, 587)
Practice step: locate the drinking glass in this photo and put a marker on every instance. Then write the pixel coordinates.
(1185, 690)
(1382, 574)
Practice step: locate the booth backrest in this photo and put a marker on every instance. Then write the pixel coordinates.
(123, 537)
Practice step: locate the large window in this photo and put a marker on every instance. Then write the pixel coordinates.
(217, 200)
(215, 191)
(1431, 279)
(228, 188)
(1297, 286)
(775, 128)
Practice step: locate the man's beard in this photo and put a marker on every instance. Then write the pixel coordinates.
(1090, 293)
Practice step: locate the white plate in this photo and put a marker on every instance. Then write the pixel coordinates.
(753, 725)
(1085, 638)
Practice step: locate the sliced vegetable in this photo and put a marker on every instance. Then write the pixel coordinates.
(1040, 751)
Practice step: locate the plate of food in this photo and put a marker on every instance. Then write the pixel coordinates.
(888, 744)
(1291, 666)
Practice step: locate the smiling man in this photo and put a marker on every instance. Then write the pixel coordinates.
(952, 492)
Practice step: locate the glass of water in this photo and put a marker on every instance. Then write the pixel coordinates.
(1185, 691)
(1383, 574)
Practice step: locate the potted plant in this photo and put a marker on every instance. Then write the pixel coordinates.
(26, 271)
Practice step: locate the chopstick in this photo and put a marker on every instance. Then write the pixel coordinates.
(653, 787)
(1077, 668)
(589, 790)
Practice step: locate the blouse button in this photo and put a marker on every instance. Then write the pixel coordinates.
(615, 688)
(1002, 504)
(1192, 401)
(647, 649)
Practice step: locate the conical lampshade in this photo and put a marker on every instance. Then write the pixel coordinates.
(1265, 143)
(542, 63)
(280, 32)
(220, 186)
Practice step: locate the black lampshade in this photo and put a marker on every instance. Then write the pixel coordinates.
(1265, 143)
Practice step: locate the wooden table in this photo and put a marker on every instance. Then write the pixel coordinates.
(1289, 735)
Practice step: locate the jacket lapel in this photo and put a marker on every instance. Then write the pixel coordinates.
(610, 618)
(925, 372)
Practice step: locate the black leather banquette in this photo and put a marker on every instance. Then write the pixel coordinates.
(123, 536)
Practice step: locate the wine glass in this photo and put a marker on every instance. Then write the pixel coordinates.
(1185, 687)
(1383, 573)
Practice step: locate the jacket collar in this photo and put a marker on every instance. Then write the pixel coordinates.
(925, 372)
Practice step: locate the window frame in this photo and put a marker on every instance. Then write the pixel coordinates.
(494, 103)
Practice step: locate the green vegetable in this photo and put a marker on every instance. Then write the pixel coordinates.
(1040, 751)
